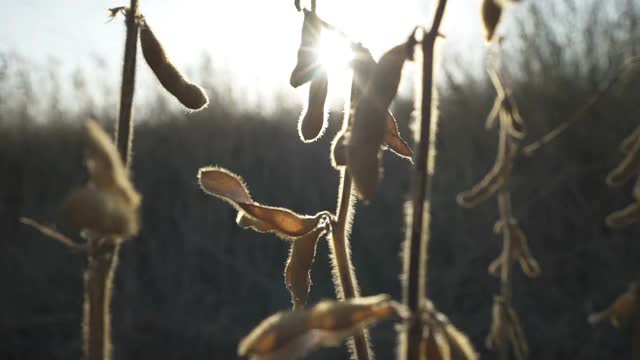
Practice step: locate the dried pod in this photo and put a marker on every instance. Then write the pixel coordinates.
(313, 122)
(496, 177)
(297, 273)
(624, 217)
(442, 340)
(492, 118)
(491, 12)
(511, 118)
(629, 142)
(498, 322)
(283, 222)
(636, 189)
(364, 153)
(106, 170)
(308, 56)
(339, 151)
(519, 250)
(516, 335)
(292, 335)
(362, 65)
(394, 141)
(190, 95)
(102, 213)
(622, 309)
(385, 77)
(628, 168)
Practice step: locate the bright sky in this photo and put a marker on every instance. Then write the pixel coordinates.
(255, 40)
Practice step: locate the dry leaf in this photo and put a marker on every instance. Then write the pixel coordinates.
(622, 309)
(292, 335)
(106, 170)
(101, 213)
(308, 57)
(283, 222)
(190, 95)
(491, 12)
(624, 217)
(313, 122)
(109, 205)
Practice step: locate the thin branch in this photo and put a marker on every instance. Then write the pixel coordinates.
(415, 288)
(55, 235)
(594, 100)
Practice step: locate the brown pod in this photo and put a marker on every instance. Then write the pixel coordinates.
(623, 217)
(308, 59)
(297, 273)
(313, 122)
(364, 158)
(386, 75)
(189, 94)
(491, 12)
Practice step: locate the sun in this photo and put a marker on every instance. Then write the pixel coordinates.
(334, 53)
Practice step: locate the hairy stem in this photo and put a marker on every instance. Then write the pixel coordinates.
(103, 253)
(124, 127)
(344, 276)
(98, 279)
(415, 266)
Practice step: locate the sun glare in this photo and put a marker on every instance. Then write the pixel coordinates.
(335, 53)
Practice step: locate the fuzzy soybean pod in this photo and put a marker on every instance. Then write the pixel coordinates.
(313, 122)
(189, 94)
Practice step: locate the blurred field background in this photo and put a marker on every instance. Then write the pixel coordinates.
(193, 283)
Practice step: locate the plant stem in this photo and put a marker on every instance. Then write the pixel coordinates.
(344, 276)
(416, 250)
(103, 252)
(124, 127)
(504, 207)
(98, 279)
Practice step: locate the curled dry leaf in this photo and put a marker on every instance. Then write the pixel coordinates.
(283, 222)
(628, 168)
(308, 57)
(313, 121)
(496, 177)
(519, 250)
(109, 205)
(297, 273)
(189, 94)
(624, 217)
(622, 309)
(491, 12)
(292, 335)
